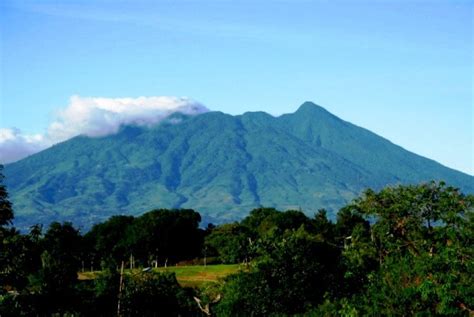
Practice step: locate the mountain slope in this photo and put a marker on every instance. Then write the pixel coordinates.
(218, 164)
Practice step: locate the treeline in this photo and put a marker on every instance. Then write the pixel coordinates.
(403, 251)
(39, 270)
(156, 238)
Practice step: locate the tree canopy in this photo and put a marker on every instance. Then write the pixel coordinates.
(403, 250)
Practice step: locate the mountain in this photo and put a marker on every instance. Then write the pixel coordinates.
(218, 164)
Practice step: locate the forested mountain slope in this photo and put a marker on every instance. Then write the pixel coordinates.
(218, 164)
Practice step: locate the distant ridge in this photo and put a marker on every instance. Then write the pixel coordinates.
(218, 164)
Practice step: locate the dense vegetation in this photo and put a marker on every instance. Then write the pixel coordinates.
(219, 164)
(401, 251)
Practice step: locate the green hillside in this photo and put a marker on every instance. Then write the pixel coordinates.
(218, 164)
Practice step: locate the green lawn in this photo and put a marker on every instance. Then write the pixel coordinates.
(188, 276)
(197, 275)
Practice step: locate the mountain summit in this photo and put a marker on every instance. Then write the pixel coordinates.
(310, 108)
(218, 164)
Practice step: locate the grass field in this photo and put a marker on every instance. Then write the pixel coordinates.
(187, 276)
(197, 275)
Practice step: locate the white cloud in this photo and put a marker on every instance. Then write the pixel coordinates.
(14, 145)
(94, 117)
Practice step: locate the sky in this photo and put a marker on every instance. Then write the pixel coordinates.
(402, 69)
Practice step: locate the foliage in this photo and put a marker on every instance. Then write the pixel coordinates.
(155, 238)
(423, 240)
(165, 236)
(6, 211)
(106, 240)
(230, 242)
(293, 277)
(106, 290)
(20, 259)
(8, 238)
(146, 294)
(404, 250)
(60, 259)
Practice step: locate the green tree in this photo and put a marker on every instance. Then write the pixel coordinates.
(106, 291)
(291, 278)
(8, 238)
(166, 236)
(6, 210)
(269, 221)
(155, 294)
(106, 241)
(322, 227)
(352, 234)
(423, 240)
(230, 242)
(60, 257)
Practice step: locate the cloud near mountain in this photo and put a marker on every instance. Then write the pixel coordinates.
(94, 116)
(14, 145)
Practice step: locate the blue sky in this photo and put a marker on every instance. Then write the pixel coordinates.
(402, 69)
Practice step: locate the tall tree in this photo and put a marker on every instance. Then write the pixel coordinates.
(6, 210)
(295, 275)
(155, 294)
(230, 242)
(6, 236)
(422, 238)
(61, 245)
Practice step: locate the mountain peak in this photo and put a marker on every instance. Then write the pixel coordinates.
(310, 107)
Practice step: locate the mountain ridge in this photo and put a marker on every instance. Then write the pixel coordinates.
(218, 164)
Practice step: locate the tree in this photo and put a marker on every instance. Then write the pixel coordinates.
(6, 210)
(60, 258)
(106, 242)
(155, 294)
(423, 240)
(269, 221)
(165, 236)
(158, 236)
(322, 227)
(7, 238)
(291, 278)
(230, 242)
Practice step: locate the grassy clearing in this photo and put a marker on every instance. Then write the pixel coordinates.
(197, 275)
(187, 276)
(84, 276)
